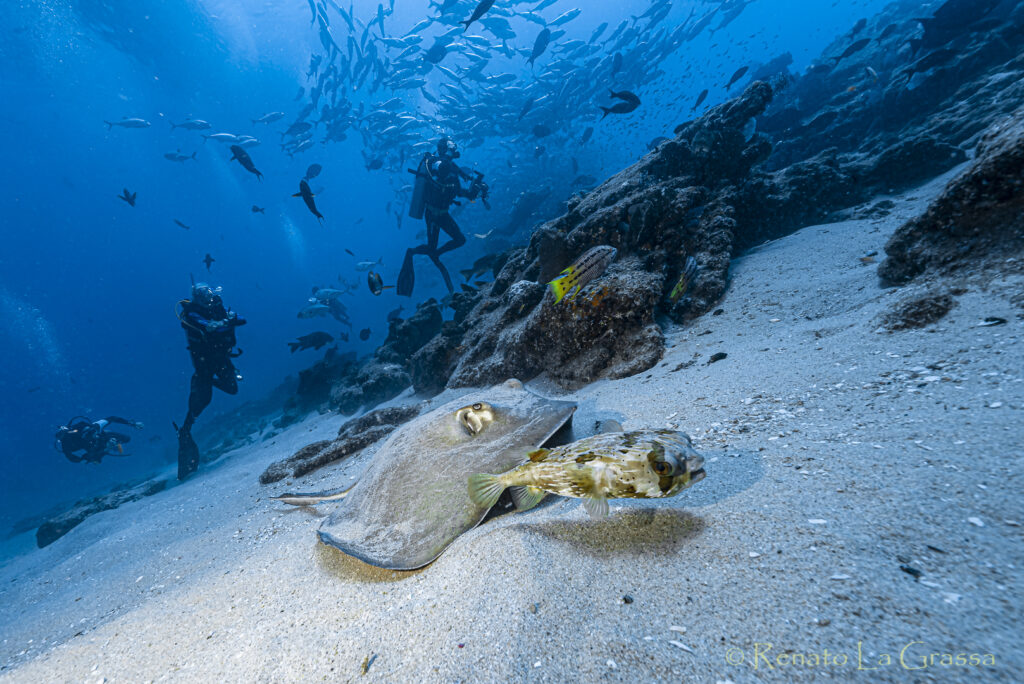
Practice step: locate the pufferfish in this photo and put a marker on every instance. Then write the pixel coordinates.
(642, 464)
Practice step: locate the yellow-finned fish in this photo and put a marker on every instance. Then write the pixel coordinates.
(642, 464)
(588, 267)
(689, 270)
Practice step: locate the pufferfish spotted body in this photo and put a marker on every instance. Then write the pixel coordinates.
(642, 464)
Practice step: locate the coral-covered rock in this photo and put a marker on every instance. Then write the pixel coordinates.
(407, 336)
(375, 382)
(980, 213)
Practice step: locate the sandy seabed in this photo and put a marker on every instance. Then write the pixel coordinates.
(861, 513)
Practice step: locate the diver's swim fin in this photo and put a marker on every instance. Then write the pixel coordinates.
(188, 453)
(406, 277)
(444, 272)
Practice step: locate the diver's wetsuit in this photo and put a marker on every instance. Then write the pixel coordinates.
(92, 439)
(443, 187)
(210, 332)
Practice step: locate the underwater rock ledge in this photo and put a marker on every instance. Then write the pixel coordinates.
(978, 217)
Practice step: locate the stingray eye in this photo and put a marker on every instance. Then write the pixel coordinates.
(662, 468)
(475, 418)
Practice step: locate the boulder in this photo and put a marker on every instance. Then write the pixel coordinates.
(354, 435)
(979, 215)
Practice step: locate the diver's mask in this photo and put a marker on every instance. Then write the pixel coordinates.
(447, 148)
(205, 296)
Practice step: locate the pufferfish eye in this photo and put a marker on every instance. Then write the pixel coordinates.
(661, 468)
(475, 418)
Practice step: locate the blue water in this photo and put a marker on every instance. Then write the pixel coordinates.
(88, 284)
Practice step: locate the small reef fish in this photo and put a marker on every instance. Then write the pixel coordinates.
(367, 265)
(307, 196)
(364, 334)
(128, 197)
(736, 76)
(314, 310)
(685, 278)
(258, 210)
(128, 123)
(269, 118)
(311, 341)
(192, 125)
(208, 260)
(376, 283)
(642, 464)
(588, 267)
(243, 158)
(480, 10)
(179, 157)
(182, 225)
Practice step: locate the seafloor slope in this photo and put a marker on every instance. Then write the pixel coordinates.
(862, 495)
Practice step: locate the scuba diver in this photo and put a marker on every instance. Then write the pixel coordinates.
(210, 332)
(438, 184)
(89, 441)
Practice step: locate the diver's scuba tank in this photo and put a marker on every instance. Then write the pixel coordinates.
(418, 202)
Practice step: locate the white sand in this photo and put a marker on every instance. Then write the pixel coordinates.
(835, 454)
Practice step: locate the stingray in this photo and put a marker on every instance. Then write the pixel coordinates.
(412, 501)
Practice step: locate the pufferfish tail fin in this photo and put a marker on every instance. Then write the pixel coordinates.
(485, 489)
(563, 283)
(527, 497)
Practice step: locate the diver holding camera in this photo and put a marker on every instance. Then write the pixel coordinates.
(438, 185)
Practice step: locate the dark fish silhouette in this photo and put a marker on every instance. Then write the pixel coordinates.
(540, 45)
(307, 196)
(480, 10)
(616, 63)
(700, 99)
(624, 107)
(312, 341)
(258, 210)
(128, 197)
(376, 283)
(364, 334)
(245, 160)
(208, 260)
(313, 171)
(853, 48)
(178, 156)
(182, 225)
(737, 76)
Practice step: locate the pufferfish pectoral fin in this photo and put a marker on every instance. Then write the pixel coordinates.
(597, 506)
(527, 497)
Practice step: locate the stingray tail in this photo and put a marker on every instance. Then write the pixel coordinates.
(485, 489)
(311, 498)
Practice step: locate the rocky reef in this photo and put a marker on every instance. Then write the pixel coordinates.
(59, 525)
(889, 105)
(344, 383)
(354, 435)
(978, 217)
